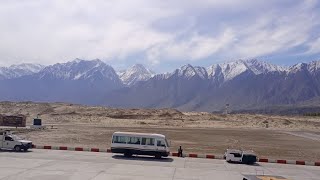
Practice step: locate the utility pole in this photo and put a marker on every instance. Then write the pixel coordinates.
(226, 109)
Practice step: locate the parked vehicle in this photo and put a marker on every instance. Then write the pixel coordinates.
(238, 156)
(128, 143)
(10, 141)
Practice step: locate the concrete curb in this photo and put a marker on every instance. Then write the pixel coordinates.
(191, 155)
(295, 162)
(65, 148)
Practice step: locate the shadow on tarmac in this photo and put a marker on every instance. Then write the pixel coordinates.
(254, 164)
(13, 151)
(142, 158)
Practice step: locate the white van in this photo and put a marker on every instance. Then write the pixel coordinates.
(128, 143)
(10, 141)
(238, 156)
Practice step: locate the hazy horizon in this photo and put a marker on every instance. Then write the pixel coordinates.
(156, 71)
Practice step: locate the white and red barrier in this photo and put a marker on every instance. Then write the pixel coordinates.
(72, 148)
(282, 161)
(191, 155)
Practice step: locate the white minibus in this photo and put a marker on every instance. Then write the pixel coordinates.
(129, 143)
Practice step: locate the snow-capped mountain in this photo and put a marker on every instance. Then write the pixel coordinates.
(314, 66)
(15, 71)
(230, 70)
(135, 74)
(188, 71)
(79, 70)
(242, 83)
(78, 81)
(261, 67)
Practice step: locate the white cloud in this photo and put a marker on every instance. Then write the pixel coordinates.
(194, 48)
(54, 31)
(275, 31)
(62, 30)
(273, 35)
(314, 47)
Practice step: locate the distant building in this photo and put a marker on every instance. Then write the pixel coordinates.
(13, 121)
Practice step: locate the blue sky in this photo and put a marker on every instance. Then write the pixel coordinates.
(161, 34)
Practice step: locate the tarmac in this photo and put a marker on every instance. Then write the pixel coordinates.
(71, 165)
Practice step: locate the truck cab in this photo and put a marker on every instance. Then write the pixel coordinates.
(10, 141)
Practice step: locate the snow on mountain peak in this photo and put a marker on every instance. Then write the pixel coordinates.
(261, 67)
(314, 66)
(96, 69)
(186, 70)
(297, 67)
(15, 71)
(135, 74)
(79, 69)
(213, 70)
(230, 70)
(191, 71)
(32, 68)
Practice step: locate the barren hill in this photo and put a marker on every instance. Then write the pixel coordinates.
(62, 113)
(288, 137)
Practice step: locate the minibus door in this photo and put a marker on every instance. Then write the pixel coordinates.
(161, 146)
(148, 144)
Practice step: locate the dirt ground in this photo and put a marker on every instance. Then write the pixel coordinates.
(85, 126)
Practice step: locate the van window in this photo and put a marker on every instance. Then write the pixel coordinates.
(147, 141)
(161, 143)
(119, 139)
(134, 140)
(236, 154)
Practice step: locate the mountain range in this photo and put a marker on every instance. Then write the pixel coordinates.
(15, 71)
(243, 84)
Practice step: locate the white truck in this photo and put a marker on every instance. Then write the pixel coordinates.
(10, 141)
(238, 156)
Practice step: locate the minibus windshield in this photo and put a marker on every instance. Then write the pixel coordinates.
(167, 144)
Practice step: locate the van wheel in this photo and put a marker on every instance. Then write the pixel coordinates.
(127, 154)
(158, 156)
(17, 148)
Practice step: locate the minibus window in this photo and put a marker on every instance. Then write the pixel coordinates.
(167, 142)
(147, 141)
(119, 139)
(143, 141)
(134, 140)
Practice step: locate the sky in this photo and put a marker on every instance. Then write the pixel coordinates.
(161, 34)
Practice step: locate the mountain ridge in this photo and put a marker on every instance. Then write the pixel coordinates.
(243, 84)
(135, 74)
(15, 71)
